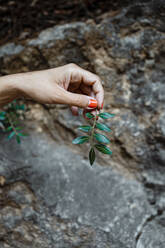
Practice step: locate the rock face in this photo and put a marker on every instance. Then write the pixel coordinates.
(49, 195)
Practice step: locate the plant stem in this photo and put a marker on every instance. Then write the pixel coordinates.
(93, 129)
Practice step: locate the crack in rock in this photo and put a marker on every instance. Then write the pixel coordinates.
(145, 223)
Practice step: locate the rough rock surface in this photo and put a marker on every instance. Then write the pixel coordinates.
(54, 198)
(49, 196)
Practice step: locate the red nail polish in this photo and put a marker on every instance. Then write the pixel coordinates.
(92, 103)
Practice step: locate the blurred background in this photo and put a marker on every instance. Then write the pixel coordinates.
(49, 194)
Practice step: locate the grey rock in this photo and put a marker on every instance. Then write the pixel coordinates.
(10, 49)
(155, 228)
(62, 32)
(161, 124)
(10, 218)
(29, 214)
(66, 187)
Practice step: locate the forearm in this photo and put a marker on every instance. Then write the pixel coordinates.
(8, 89)
(68, 84)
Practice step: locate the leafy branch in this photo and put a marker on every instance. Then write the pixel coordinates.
(93, 135)
(9, 120)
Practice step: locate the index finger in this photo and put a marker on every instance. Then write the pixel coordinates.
(99, 93)
(94, 81)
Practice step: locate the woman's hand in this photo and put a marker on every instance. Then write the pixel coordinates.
(67, 84)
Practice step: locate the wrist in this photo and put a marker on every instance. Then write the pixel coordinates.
(9, 88)
(10, 82)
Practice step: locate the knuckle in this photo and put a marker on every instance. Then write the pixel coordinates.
(72, 66)
(98, 79)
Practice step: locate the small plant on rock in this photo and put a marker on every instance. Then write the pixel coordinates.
(95, 136)
(9, 120)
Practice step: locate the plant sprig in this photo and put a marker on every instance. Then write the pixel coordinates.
(94, 135)
(9, 120)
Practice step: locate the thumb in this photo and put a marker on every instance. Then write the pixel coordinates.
(79, 100)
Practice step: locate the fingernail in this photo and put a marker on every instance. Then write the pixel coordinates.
(92, 103)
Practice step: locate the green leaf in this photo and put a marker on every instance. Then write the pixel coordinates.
(89, 115)
(103, 127)
(18, 139)
(92, 156)
(101, 138)
(17, 106)
(20, 107)
(2, 113)
(11, 135)
(80, 140)
(104, 149)
(9, 128)
(2, 116)
(85, 128)
(18, 128)
(22, 134)
(106, 115)
(12, 105)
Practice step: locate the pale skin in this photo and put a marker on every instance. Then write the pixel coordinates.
(68, 84)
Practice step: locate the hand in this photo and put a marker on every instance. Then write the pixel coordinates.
(67, 84)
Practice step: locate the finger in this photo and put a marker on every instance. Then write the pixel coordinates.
(87, 110)
(90, 79)
(94, 112)
(93, 80)
(74, 99)
(74, 110)
(99, 92)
